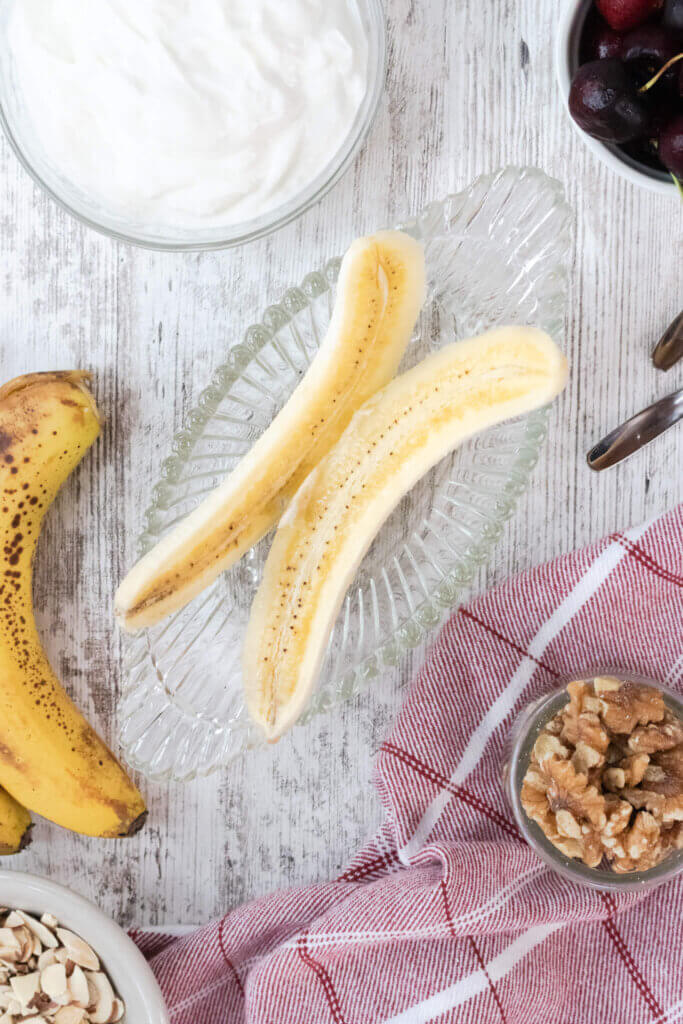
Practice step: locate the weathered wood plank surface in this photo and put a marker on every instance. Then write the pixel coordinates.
(470, 87)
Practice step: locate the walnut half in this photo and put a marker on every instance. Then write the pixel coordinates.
(605, 777)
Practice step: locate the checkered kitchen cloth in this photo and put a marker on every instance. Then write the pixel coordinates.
(447, 915)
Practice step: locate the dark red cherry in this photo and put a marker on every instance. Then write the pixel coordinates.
(663, 111)
(671, 146)
(644, 151)
(647, 49)
(623, 15)
(604, 101)
(607, 43)
(598, 40)
(673, 15)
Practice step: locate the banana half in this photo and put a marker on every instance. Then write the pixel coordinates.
(380, 292)
(51, 761)
(399, 434)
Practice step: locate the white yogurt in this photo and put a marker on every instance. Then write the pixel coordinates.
(189, 113)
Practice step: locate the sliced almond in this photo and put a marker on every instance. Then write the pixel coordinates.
(25, 938)
(10, 946)
(103, 1002)
(79, 951)
(54, 984)
(117, 1012)
(48, 938)
(25, 986)
(78, 987)
(46, 958)
(50, 975)
(70, 1015)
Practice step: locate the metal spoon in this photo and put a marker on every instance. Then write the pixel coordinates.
(670, 346)
(637, 432)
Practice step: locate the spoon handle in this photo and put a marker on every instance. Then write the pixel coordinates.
(670, 346)
(637, 432)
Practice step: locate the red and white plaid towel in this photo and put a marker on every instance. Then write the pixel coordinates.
(447, 915)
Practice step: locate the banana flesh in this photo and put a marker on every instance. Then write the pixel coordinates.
(379, 295)
(15, 825)
(391, 442)
(51, 761)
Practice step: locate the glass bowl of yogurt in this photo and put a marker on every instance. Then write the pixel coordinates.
(178, 125)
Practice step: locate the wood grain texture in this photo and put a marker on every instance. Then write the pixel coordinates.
(470, 87)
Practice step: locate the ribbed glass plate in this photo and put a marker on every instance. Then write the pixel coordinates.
(496, 253)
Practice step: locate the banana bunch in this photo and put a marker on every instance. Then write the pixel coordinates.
(51, 760)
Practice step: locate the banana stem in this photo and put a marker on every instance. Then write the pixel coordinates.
(662, 71)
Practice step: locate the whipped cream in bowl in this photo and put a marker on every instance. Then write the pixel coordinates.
(189, 123)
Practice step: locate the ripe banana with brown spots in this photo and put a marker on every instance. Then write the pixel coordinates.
(380, 292)
(51, 760)
(399, 434)
(15, 825)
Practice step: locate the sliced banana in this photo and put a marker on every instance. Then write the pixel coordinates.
(379, 295)
(390, 443)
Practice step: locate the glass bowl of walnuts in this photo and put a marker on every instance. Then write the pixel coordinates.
(594, 774)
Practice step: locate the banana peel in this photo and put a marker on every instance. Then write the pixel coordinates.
(15, 826)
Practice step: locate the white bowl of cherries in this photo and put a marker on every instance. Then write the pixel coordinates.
(620, 67)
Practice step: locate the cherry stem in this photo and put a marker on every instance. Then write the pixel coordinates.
(662, 71)
(679, 184)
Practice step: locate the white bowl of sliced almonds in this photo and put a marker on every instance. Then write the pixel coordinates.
(62, 961)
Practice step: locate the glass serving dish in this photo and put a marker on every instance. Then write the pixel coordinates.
(496, 253)
(525, 732)
(17, 127)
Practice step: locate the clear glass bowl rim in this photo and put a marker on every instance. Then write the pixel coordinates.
(247, 231)
(531, 719)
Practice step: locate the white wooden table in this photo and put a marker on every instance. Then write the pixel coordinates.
(470, 88)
